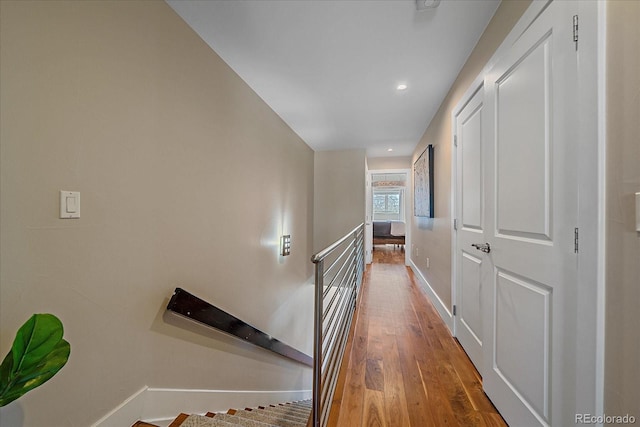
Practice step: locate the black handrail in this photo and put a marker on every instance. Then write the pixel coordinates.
(192, 307)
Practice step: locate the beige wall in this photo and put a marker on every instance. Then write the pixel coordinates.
(339, 194)
(432, 237)
(622, 357)
(187, 179)
(376, 163)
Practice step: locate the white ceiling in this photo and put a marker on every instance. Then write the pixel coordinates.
(330, 68)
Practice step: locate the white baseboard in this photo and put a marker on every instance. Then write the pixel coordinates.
(127, 413)
(441, 308)
(155, 404)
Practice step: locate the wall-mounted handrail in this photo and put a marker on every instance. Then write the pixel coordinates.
(190, 306)
(339, 284)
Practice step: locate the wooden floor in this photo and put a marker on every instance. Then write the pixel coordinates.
(402, 367)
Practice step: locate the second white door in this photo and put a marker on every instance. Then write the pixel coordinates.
(471, 227)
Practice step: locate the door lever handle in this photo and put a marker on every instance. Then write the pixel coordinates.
(484, 247)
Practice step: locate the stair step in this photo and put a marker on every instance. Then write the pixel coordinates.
(292, 409)
(296, 416)
(301, 405)
(276, 420)
(245, 422)
(179, 420)
(292, 414)
(203, 421)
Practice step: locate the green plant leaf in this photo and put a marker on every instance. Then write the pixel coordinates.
(38, 374)
(5, 371)
(35, 339)
(37, 354)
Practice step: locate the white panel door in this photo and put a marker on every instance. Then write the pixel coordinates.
(531, 202)
(470, 217)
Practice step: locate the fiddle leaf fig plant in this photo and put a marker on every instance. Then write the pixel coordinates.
(37, 354)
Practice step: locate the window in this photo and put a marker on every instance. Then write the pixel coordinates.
(388, 204)
(388, 196)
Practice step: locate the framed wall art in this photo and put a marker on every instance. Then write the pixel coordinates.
(423, 184)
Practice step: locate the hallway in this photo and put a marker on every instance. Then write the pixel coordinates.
(401, 365)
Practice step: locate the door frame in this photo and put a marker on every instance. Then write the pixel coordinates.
(590, 329)
(408, 213)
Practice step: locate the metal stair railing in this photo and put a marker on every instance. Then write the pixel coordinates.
(338, 275)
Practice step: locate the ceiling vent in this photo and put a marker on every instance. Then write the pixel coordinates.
(427, 4)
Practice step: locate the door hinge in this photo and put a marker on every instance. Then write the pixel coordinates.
(454, 310)
(455, 224)
(575, 30)
(575, 240)
(455, 140)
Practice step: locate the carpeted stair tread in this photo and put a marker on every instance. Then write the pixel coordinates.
(303, 406)
(292, 409)
(288, 413)
(244, 422)
(300, 405)
(296, 416)
(202, 421)
(300, 410)
(292, 414)
(279, 421)
(179, 420)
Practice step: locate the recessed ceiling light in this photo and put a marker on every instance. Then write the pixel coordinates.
(402, 87)
(427, 4)
(389, 149)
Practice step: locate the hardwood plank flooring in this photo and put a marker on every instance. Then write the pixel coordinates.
(401, 366)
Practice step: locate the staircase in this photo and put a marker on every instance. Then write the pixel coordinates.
(294, 414)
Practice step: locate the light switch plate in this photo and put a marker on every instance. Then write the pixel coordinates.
(69, 204)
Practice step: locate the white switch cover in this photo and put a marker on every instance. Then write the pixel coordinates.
(637, 211)
(69, 204)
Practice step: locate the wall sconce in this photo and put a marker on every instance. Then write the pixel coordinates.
(285, 245)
